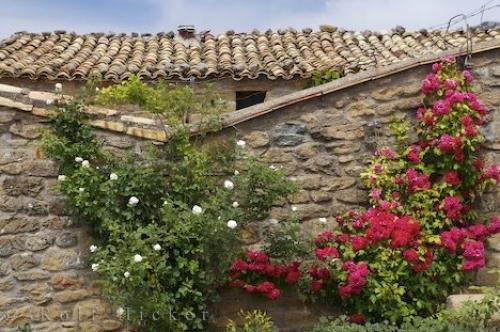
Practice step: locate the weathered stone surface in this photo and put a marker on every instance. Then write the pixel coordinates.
(343, 132)
(19, 224)
(257, 139)
(4, 267)
(487, 277)
(67, 239)
(31, 275)
(57, 260)
(320, 196)
(7, 116)
(307, 150)
(312, 181)
(67, 280)
(71, 295)
(457, 300)
(276, 155)
(308, 211)
(23, 204)
(29, 131)
(493, 242)
(89, 309)
(38, 242)
(302, 196)
(10, 245)
(353, 196)
(24, 261)
(289, 134)
(111, 325)
(22, 185)
(41, 167)
(340, 183)
(493, 259)
(6, 284)
(38, 293)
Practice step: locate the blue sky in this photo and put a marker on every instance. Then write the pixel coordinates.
(221, 15)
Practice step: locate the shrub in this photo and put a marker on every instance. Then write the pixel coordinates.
(253, 321)
(422, 234)
(167, 224)
(471, 317)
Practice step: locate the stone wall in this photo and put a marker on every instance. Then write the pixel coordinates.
(324, 143)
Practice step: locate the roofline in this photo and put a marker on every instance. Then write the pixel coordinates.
(35, 102)
(252, 112)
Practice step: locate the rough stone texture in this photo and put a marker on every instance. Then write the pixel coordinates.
(324, 143)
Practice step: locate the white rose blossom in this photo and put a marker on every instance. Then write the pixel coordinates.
(241, 143)
(322, 219)
(273, 221)
(137, 258)
(132, 201)
(232, 224)
(236, 172)
(228, 184)
(94, 267)
(78, 159)
(126, 274)
(58, 87)
(294, 208)
(93, 248)
(157, 247)
(49, 102)
(236, 204)
(120, 311)
(197, 210)
(61, 177)
(113, 176)
(81, 190)
(85, 164)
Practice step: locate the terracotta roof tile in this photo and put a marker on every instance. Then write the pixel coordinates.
(286, 53)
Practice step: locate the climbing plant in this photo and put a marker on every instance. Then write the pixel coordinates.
(422, 234)
(166, 224)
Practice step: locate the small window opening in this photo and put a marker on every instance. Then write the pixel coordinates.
(249, 98)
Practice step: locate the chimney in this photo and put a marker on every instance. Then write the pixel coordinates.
(186, 31)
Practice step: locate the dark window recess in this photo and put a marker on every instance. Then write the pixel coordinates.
(249, 98)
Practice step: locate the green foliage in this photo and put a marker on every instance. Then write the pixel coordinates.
(471, 317)
(322, 77)
(160, 221)
(285, 241)
(174, 104)
(25, 328)
(253, 321)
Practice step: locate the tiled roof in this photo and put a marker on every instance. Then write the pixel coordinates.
(273, 54)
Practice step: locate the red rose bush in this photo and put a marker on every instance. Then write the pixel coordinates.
(421, 235)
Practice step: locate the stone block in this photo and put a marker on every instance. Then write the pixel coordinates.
(352, 196)
(31, 275)
(38, 242)
(310, 181)
(71, 295)
(22, 185)
(257, 139)
(24, 261)
(289, 134)
(10, 244)
(67, 239)
(28, 131)
(67, 280)
(58, 260)
(21, 224)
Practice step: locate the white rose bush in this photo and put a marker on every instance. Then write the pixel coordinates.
(167, 224)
